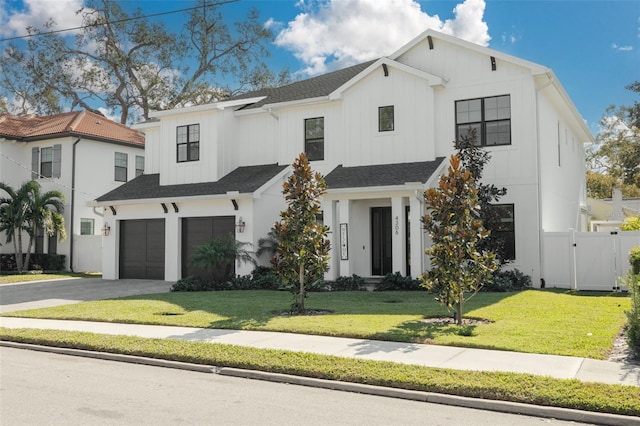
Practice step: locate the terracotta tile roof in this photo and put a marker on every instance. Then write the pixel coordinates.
(75, 123)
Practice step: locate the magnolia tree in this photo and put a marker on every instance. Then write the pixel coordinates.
(458, 265)
(303, 248)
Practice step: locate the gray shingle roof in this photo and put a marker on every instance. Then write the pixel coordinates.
(381, 174)
(243, 179)
(314, 87)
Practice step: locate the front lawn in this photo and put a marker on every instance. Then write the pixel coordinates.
(18, 278)
(536, 321)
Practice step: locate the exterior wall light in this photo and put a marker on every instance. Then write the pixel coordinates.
(106, 229)
(240, 225)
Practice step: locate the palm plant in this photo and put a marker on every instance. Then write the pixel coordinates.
(45, 212)
(26, 210)
(13, 213)
(217, 256)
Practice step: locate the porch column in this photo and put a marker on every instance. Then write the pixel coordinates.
(417, 235)
(173, 248)
(328, 212)
(398, 233)
(344, 216)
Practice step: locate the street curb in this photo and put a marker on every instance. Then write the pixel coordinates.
(435, 398)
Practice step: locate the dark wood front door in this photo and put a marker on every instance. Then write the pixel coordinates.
(381, 261)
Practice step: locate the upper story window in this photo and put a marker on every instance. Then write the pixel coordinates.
(188, 140)
(385, 118)
(46, 162)
(314, 138)
(490, 117)
(121, 167)
(139, 165)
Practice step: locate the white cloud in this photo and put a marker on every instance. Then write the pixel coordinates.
(36, 13)
(331, 34)
(614, 46)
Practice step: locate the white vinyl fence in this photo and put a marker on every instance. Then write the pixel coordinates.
(587, 260)
(87, 255)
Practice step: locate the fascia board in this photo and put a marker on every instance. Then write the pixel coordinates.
(535, 68)
(268, 108)
(185, 110)
(178, 199)
(366, 191)
(433, 80)
(237, 102)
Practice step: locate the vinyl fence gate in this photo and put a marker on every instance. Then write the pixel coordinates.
(587, 260)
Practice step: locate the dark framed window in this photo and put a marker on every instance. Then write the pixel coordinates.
(501, 221)
(314, 138)
(385, 118)
(121, 167)
(139, 165)
(46, 162)
(87, 226)
(188, 140)
(490, 117)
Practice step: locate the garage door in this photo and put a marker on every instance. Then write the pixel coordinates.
(197, 230)
(142, 249)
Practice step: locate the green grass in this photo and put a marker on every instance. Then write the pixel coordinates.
(18, 278)
(514, 387)
(534, 321)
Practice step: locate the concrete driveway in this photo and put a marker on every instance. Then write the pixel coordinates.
(40, 294)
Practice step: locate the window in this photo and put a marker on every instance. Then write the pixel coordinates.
(121, 167)
(385, 118)
(139, 165)
(490, 117)
(314, 138)
(188, 139)
(46, 162)
(500, 220)
(87, 226)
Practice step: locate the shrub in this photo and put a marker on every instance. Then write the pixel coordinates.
(191, 283)
(396, 281)
(631, 224)
(634, 259)
(633, 315)
(508, 280)
(37, 261)
(352, 283)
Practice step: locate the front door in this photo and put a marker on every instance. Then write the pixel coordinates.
(381, 262)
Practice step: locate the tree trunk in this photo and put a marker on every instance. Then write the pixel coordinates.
(459, 308)
(18, 254)
(28, 254)
(301, 293)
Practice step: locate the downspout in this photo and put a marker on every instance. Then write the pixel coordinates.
(73, 201)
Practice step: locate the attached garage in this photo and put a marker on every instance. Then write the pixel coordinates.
(197, 230)
(142, 246)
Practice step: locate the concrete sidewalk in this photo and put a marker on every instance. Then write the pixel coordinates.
(563, 367)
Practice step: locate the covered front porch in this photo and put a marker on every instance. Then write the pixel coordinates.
(374, 215)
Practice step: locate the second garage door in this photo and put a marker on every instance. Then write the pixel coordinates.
(197, 230)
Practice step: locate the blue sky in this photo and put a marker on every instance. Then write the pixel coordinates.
(592, 46)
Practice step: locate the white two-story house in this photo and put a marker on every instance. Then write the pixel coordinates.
(381, 133)
(80, 154)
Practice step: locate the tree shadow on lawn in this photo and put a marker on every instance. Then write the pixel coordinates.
(246, 310)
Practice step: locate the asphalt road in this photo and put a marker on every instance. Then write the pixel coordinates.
(38, 388)
(41, 294)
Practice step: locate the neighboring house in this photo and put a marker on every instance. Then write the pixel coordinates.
(607, 215)
(381, 132)
(79, 150)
